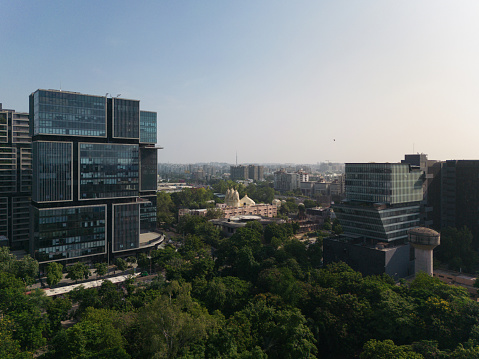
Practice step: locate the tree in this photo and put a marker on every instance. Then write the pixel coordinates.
(309, 203)
(96, 336)
(58, 309)
(375, 349)
(165, 209)
(327, 225)
(101, 269)
(172, 323)
(121, 264)
(25, 268)
(337, 228)
(213, 213)
(54, 273)
(78, 271)
(9, 347)
(280, 333)
(456, 249)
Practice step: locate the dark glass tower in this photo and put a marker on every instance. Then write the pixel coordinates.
(93, 175)
(15, 178)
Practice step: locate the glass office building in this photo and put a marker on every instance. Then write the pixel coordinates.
(147, 127)
(15, 178)
(108, 170)
(63, 233)
(126, 226)
(382, 200)
(68, 113)
(90, 174)
(52, 170)
(391, 183)
(148, 175)
(126, 118)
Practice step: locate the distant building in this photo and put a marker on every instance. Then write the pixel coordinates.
(15, 179)
(241, 172)
(286, 181)
(234, 206)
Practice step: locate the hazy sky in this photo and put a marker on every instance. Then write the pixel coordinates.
(275, 81)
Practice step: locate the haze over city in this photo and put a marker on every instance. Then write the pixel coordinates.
(273, 81)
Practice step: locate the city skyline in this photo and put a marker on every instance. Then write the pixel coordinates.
(275, 82)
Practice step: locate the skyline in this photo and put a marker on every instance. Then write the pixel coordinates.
(277, 82)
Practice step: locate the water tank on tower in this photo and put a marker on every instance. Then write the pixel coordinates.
(424, 240)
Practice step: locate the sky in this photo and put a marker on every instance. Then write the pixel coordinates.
(272, 81)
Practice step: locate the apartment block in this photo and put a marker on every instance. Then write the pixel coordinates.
(15, 178)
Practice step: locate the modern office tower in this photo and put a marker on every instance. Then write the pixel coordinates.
(382, 203)
(382, 200)
(94, 175)
(15, 179)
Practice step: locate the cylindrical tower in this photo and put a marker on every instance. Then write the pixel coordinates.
(424, 240)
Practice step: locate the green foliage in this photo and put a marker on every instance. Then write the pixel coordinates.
(193, 198)
(166, 209)
(214, 213)
(375, 349)
(96, 336)
(309, 203)
(58, 309)
(171, 323)
(78, 271)
(280, 333)
(337, 228)
(54, 272)
(288, 207)
(101, 269)
(227, 294)
(456, 249)
(261, 192)
(25, 268)
(121, 264)
(9, 347)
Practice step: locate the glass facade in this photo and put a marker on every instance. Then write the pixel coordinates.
(67, 113)
(390, 183)
(126, 118)
(148, 214)
(149, 164)
(108, 170)
(147, 127)
(388, 224)
(126, 226)
(53, 171)
(62, 233)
